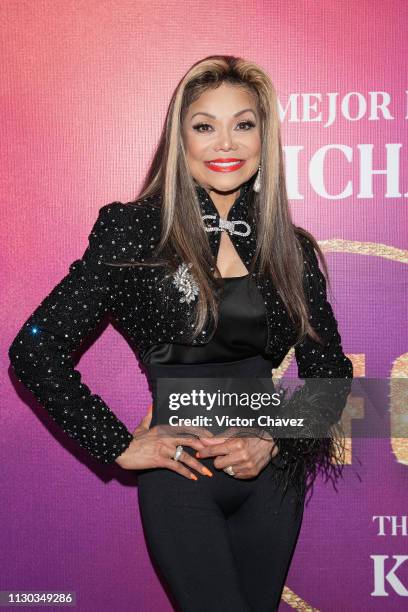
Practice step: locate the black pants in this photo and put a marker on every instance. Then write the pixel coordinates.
(219, 543)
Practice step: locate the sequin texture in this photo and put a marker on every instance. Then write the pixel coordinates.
(146, 305)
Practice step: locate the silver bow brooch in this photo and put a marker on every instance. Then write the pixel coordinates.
(225, 224)
(183, 279)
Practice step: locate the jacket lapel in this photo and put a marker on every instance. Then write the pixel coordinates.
(240, 223)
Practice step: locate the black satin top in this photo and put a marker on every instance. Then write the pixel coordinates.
(241, 331)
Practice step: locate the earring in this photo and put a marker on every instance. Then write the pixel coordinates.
(257, 184)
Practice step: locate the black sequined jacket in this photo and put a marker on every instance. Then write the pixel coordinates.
(151, 309)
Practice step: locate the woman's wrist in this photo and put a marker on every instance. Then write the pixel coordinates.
(265, 435)
(274, 449)
(131, 447)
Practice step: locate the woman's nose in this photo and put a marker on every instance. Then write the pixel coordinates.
(225, 140)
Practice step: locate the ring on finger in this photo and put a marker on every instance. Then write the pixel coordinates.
(177, 454)
(229, 470)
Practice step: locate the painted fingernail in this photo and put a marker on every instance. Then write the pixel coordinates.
(193, 476)
(206, 471)
(197, 455)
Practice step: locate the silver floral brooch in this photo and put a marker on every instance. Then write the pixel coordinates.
(185, 283)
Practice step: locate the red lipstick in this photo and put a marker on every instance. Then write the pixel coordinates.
(228, 164)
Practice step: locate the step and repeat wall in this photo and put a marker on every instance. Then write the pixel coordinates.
(84, 91)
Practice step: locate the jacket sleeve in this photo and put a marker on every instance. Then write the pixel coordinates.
(323, 400)
(41, 352)
(328, 374)
(314, 359)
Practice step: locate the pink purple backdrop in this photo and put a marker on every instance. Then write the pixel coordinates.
(84, 91)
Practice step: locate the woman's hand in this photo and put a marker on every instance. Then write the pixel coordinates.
(145, 422)
(155, 448)
(247, 455)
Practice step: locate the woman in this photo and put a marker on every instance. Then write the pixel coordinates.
(208, 276)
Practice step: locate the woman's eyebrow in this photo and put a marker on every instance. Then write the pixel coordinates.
(235, 115)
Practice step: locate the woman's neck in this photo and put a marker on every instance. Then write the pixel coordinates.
(223, 202)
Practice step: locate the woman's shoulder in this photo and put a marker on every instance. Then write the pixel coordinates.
(314, 262)
(305, 240)
(122, 212)
(126, 217)
(313, 257)
(125, 227)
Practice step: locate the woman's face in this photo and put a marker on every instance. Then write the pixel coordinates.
(223, 125)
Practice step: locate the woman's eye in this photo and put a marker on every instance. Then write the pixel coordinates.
(248, 124)
(200, 125)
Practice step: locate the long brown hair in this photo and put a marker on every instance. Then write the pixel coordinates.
(182, 228)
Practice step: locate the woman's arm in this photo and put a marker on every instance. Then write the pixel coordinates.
(313, 359)
(41, 352)
(320, 402)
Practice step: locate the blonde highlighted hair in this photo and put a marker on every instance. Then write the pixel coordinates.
(182, 229)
